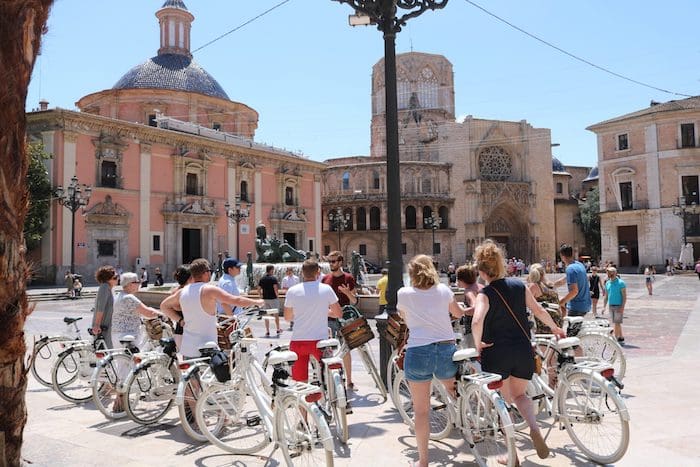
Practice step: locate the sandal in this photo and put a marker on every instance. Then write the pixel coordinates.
(350, 387)
(540, 445)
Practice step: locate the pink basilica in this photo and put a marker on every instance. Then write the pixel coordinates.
(166, 151)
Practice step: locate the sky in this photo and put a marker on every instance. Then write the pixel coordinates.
(308, 73)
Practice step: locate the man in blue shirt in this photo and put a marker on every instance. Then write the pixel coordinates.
(578, 301)
(615, 299)
(231, 268)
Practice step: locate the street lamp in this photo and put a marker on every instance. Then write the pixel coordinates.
(383, 14)
(433, 223)
(684, 210)
(239, 213)
(338, 221)
(73, 197)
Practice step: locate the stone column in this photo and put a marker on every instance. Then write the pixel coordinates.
(231, 186)
(145, 204)
(318, 215)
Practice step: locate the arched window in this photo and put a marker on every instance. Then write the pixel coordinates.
(427, 213)
(427, 185)
(347, 213)
(361, 219)
(346, 181)
(444, 217)
(495, 164)
(244, 191)
(375, 180)
(410, 217)
(374, 218)
(289, 196)
(427, 89)
(403, 93)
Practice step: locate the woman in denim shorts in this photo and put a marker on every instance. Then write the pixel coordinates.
(426, 307)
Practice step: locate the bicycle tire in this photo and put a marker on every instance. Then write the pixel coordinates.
(440, 419)
(192, 384)
(338, 406)
(149, 392)
(368, 361)
(228, 417)
(594, 415)
(107, 381)
(604, 347)
(392, 370)
(70, 377)
(489, 431)
(45, 354)
(298, 432)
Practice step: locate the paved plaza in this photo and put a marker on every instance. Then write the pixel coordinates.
(662, 346)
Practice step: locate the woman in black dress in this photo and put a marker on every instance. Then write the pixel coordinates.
(501, 332)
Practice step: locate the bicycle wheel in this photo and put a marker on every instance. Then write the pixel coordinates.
(299, 432)
(107, 381)
(371, 368)
(46, 352)
(594, 415)
(338, 404)
(391, 370)
(149, 391)
(439, 417)
(229, 418)
(70, 377)
(605, 348)
(191, 387)
(489, 431)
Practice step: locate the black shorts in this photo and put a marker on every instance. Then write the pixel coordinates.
(507, 360)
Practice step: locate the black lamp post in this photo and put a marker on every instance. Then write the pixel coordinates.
(433, 223)
(383, 13)
(73, 197)
(239, 213)
(338, 221)
(684, 210)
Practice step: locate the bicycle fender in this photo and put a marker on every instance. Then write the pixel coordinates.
(624, 413)
(339, 389)
(324, 430)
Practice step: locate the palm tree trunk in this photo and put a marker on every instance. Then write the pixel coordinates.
(22, 23)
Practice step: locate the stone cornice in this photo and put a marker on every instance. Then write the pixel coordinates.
(79, 122)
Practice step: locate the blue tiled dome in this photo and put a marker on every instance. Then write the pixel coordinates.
(557, 166)
(171, 71)
(174, 4)
(592, 175)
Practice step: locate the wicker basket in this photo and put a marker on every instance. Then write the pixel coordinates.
(357, 332)
(223, 331)
(154, 328)
(396, 330)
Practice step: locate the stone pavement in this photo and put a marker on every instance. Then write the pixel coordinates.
(663, 345)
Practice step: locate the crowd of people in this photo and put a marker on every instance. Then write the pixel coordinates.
(494, 312)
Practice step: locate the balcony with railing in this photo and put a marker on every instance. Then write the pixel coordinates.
(627, 206)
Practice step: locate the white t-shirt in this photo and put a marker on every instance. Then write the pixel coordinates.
(289, 281)
(310, 301)
(427, 314)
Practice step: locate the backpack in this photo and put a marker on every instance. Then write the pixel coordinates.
(219, 366)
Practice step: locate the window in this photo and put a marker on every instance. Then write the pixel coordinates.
(427, 185)
(436, 248)
(363, 249)
(374, 218)
(347, 214)
(375, 180)
(106, 247)
(427, 214)
(192, 184)
(156, 243)
(560, 188)
(444, 217)
(361, 219)
(346, 181)
(622, 142)
(326, 250)
(687, 135)
(289, 196)
(403, 248)
(495, 164)
(216, 126)
(311, 244)
(152, 120)
(410, 217)
(626, 195)
(690, 189)
(244, 191)
(108, 174)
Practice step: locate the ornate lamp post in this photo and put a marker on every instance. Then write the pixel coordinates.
(338, 221)
(383, 13)
(684, 210)
(73, 197)
(239, 213)
(433, 223)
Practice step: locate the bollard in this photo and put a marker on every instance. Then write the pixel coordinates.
(384, 346)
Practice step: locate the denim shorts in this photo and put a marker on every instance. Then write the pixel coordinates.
(424, 362)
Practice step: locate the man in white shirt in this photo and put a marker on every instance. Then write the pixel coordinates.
(231, 268)
(309, 305)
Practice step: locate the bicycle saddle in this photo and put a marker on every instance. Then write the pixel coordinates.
(128, 339)
(464, 354)
(282, 357)
(327, 343)
(68, 320)
(567, 343)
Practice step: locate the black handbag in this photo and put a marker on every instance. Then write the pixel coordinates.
(219, 364)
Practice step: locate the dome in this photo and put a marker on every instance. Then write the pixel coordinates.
(592, 175)
(171, 71)
(557, 166)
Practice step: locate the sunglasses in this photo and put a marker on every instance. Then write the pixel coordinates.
(334, 261)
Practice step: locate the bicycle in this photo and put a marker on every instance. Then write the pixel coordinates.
(46, 350)
(72, 370)
(328, 374)
(107, 378)
(585, 400)
(478, 412)
(598, 342)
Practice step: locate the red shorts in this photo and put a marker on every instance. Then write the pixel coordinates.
(300, 368)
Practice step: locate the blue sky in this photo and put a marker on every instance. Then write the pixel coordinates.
(308, 73)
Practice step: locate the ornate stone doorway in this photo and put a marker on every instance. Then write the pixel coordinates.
(508, 227)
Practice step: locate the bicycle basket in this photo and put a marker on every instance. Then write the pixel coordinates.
(223, 333)
(357, 332)
(154, 328)
(396, 330)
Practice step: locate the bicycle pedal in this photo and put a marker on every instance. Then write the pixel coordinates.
(253, 421)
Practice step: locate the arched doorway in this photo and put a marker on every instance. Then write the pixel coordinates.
(508, 227)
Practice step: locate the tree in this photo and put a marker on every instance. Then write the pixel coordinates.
(22, 22)
(40, 191)
(588, 218)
